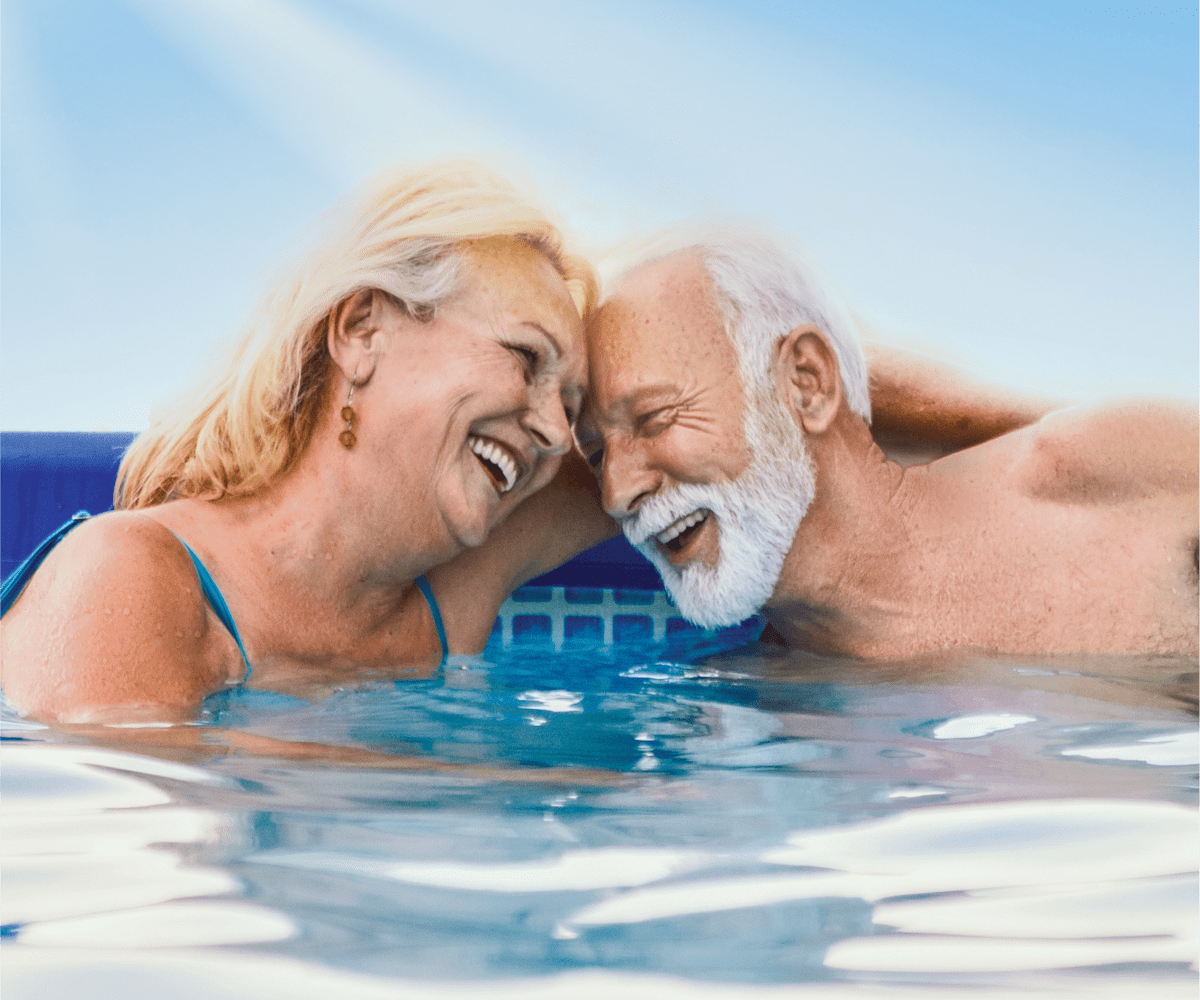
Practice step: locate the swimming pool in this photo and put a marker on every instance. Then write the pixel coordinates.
(626, 807)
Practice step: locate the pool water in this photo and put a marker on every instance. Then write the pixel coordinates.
(625, 808)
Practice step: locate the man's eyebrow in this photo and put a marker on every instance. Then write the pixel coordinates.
(653, 392)
(656, 395)
(547, 334)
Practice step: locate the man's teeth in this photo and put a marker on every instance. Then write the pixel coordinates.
(491, 452)
(680, 526)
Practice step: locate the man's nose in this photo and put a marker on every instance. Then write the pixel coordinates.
(626, 480)
(546, 423)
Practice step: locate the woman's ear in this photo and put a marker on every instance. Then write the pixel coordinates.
(353, 337)
(810, 381)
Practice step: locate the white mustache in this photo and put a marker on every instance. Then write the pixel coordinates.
(659, 512)
(757, 515)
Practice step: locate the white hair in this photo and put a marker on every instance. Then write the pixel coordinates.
(764, 294)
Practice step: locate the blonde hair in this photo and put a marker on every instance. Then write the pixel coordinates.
(402, 234)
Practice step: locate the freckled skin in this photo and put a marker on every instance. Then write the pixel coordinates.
(1077, 533)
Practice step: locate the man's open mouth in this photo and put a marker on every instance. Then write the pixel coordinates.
(497, 461)
(677, 536)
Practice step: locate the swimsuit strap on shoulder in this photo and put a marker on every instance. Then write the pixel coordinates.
(12, 587)
(216, 600)
(427, 590)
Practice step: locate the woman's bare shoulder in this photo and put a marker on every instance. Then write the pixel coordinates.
(113, 623)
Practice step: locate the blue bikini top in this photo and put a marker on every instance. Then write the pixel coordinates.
(12, 587)
(216, 601)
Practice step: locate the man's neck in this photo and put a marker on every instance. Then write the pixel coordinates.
(838, 587)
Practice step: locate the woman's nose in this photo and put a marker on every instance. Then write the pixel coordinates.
(546, 423)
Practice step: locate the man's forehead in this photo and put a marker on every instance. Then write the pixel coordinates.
(663, 307)
(657, 338)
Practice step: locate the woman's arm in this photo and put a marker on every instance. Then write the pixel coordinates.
(917, 398)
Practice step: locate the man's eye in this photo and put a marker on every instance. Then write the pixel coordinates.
(657, 421)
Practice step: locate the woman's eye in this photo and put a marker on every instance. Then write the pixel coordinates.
(529, 357)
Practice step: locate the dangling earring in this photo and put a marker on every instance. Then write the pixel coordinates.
(347, 438)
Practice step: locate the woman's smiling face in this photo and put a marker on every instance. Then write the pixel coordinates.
(477, 406)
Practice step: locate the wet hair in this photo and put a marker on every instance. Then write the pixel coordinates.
(404, 234)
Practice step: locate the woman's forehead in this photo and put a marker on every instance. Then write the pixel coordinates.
(509, 257)
(513, 277)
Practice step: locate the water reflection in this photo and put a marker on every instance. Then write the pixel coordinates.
(768, 821)
(97, 856)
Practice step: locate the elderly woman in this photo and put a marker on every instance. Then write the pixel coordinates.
(354, 496)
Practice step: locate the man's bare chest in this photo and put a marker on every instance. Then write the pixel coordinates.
(1039, 577)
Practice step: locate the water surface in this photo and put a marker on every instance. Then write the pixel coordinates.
(665, 818)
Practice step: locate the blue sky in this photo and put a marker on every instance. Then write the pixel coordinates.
(1011, 185)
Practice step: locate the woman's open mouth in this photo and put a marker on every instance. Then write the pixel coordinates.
(678, 535)
(499, 463)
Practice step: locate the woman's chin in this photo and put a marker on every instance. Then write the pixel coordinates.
(475, 519)
(471, 537)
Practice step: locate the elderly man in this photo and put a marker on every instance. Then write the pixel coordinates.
(728, 425)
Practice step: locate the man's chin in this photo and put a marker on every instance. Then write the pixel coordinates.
(700, 594)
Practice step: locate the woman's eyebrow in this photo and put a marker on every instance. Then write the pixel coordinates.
(558, 351)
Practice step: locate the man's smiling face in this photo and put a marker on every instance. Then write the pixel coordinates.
(665, 430)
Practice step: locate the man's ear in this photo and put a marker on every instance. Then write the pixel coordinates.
(810, 381)
(354, 334)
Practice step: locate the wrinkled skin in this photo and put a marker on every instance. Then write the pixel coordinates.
(1075, 533)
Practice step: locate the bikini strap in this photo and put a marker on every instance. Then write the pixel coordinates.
(12, 587)
(427, 590)
(216, 600)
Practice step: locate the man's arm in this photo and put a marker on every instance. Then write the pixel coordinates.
(917, 398)
(545, 531)
(1115, 453)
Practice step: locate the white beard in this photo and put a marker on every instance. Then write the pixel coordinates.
(758, 515)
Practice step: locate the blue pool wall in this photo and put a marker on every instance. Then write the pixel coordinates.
(608, 595)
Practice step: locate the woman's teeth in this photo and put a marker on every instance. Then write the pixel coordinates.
(680, 526)
(497, 458)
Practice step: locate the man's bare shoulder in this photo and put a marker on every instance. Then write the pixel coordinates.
(1109, 455)
(112, 620)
